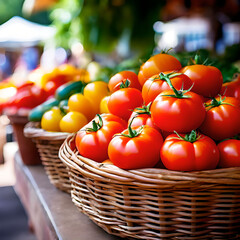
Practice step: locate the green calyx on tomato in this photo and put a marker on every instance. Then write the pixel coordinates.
(236, 137)
(125, 84)
(132, 133)
(166, 51)
(216, 103)
(96, 125)
(145, 109)
(177, 93)
(163, 76)
(192, 137)
(197, 60)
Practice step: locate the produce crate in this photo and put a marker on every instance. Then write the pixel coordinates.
(48, 144)
(155, 203)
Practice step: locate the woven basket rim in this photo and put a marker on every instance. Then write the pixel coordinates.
(33, 130)
(147, 176)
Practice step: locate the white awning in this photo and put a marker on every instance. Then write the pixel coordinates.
(19, 32)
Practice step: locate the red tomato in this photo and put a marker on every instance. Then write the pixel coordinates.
(207, 80)
(222, 118)
(53, 83)
(139, 151)
(232, 89)
(229, 153)
(157, 84)
(161, 62)
(171, 114)
(93, 139)
(187, 153)
(110, 117)
(142, 116)
(123, 101)
(121, 77)
(27, 96)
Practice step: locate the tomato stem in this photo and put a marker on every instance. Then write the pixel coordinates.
(125, 84)
(178, 94)
(96, 125)
(216, 103)
(132, 132)
(191, 137)
(166, 51)
(237, 137)
(198, 60)
(145, 109)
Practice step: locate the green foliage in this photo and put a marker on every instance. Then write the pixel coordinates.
(100, 25)
(11, 8)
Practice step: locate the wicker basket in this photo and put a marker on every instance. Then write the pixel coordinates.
(155, 203)
(48, 144)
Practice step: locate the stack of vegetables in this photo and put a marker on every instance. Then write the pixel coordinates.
(74, 104)
(167, 116)
(164, 115)
(39, 86)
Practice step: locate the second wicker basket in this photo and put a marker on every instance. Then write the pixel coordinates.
(48, 144)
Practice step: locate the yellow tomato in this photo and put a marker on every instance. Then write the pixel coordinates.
(82, 75)
(95, 91)
(51, 119)
(67, 69)
(72, 122)
(79, 103)
(103, 105)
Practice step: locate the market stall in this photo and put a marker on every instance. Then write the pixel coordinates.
(125, 133)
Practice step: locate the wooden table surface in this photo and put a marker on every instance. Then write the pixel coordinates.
(51, 211)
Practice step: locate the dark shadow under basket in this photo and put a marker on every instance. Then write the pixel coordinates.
(48, 144)
(155, 203)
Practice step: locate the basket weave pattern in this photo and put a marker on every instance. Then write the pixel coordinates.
(155, 203)
(48, 144)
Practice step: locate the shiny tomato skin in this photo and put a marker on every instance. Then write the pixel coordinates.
(207, 80)
(237, 92)
(103, 108)
(141, 119)
(51, 119)
(123, 101)
(229, 153)
(80, 103)
(116, 80)
(137, 152)
(154, 86)
(72, 122)
(95, 92)
(94, 145)
(222, 121)
(178, 114)
(158, 63)
(179, 155)
(232, 89)
(111, 117)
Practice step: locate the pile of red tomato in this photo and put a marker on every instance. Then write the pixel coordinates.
(167, 116)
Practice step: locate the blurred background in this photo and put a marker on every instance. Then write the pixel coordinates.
(111, 31)
(102, 37)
